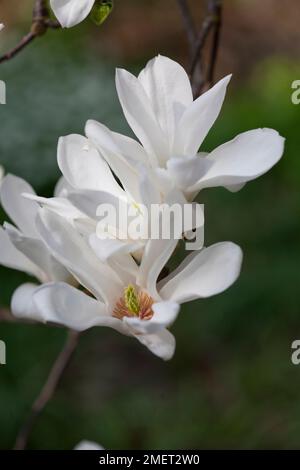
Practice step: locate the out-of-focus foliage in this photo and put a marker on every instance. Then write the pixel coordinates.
(231, 383)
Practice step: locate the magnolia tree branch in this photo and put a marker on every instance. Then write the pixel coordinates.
(201, 76)
(48, 389)
(41, 22)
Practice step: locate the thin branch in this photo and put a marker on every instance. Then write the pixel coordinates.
(200, 43)
(197, 42)
(25, 41)
(48, 389)
(216, 11)
(188, 22)
(41, 22)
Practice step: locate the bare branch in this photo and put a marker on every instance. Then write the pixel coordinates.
(41, 22)
(197, 42)
(216, 12)
(48, 389)
(25, 41)
(188, 22)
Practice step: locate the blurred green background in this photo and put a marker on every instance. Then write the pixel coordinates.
(231, 383)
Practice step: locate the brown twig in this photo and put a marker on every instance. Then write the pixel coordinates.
(216, 12)
(188, 22)
(41, 22)
(197, 42)
(48, 389)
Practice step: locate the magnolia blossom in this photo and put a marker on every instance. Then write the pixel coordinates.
(122, 294)
(89, 184)
(71, 12)
(1, 26)
(22, 247)
(171, 127)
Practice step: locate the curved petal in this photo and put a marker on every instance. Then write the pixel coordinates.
(198, 118)
(165, 313)
(168, 88)
(249, 155)
(207, 273)
(140, 115)
(36, 250)
(22, 305)
(62, 187)
(63, 304)
(120, 259)
(60, 205)
(186, 171)
(71, 12)
(161, 343)
(21, 211)
(159, 249)
(13, 258)
(83, 167)
(73, 251)
(123, 168)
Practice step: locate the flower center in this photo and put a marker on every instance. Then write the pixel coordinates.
(134, 304)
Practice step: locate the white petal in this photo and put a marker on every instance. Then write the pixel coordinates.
(62, 187)
(12, 258)
(63, 304)
(207, 273)
(140, 115)
(108, 248)
(165, 313)
(122, 166)
(169, 91)
(199, 118)
(186, 171)
(21, 211)
(118, 258)
(71, 12)
(113, 142)
(83, 167)
(36, 251)
(73, 251)
(112, 212)
(88, 445)
(158, 250)
(149, 191)
(60, 205)
(22, 305)
(162, 344)
(242, 159)
(130, 148)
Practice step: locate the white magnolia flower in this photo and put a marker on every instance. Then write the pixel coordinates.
(159, 107)
(122, 294)
(88, 445)
(71, 12)
(22, 247)
(1, 26)
(91, 183)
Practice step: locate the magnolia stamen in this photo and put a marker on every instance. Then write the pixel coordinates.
(134, 304)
